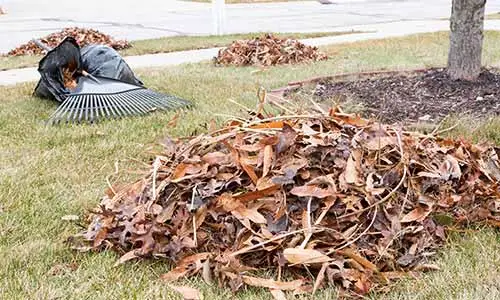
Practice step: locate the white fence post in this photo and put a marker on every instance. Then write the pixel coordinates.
(218, 16)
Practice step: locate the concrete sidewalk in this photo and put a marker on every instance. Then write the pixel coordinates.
(133, 20)
(379, 31)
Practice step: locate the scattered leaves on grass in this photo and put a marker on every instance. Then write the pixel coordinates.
(267, 50)
(354, 203)
(187, 293)
(61, 269)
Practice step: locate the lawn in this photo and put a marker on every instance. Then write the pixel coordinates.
(49, 172)
(493, 16)
(169, 44)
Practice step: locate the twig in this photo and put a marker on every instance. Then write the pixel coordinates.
(273, 102)
(249, 248)
(309, 225)
(378, 202)
(316, 105)
(231, 117)
(156, 166)
(447, 129)
(392, 192)
(359, 236)
(263, 130)
(321, 117)
(107, 178)
(240, 105)
(191, 208)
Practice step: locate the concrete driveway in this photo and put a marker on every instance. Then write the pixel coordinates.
(134, 20)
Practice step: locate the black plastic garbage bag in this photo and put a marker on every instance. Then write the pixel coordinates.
(104, 61)
(98, 60)
(51, 83)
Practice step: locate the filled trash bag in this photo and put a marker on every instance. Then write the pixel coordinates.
(63, 58)
(61, 66)
(104, 61)
(94, 83)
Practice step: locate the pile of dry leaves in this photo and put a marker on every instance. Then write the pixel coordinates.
(323, 199)
(83, 36)
(267, 50)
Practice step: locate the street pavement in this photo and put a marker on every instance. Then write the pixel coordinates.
(385, 18)
(133, 20)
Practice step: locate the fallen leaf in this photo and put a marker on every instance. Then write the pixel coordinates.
(320, 278)
(215, 158)
(187, 293)
(180, 171)
(304, 256)
(251, 196)
(173, 121)
(351, 172)
(175, 274)
(272, 284)
(311, 191)
(250, 214)
(359, 259)
(427, 267)
(70, 218)
(61, 269)
(286, 138)
(250, 172)
(379, 143)
(278, 294)
(450, 169)
(212, 126)
(268, 158)
(206, 272)
(274, 124)
(352, 119)
(418, 214)
(126, 257)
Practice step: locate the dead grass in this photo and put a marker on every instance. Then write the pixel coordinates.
(49, 172)
(168, 44)
(493, 16)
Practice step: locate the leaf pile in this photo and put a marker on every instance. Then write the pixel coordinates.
(83, 36)
(267, 50)
(321, 198)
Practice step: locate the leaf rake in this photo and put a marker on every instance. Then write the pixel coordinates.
(97, 98)
(93, 101)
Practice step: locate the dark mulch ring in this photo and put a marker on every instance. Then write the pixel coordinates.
(428, 95)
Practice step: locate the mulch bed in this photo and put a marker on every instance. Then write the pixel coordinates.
(429, 95)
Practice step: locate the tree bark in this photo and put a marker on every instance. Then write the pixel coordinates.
(466, 39)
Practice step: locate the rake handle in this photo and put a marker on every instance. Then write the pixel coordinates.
(41, 45)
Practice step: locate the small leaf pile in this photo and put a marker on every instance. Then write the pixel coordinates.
(83, 36)
(319, 198)
(267, 50)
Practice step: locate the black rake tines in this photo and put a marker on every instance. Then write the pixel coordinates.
(92, 108)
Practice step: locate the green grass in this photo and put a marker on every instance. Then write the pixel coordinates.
(169, 44)
(49, 172)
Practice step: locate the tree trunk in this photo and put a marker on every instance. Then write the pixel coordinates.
(466, 39)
